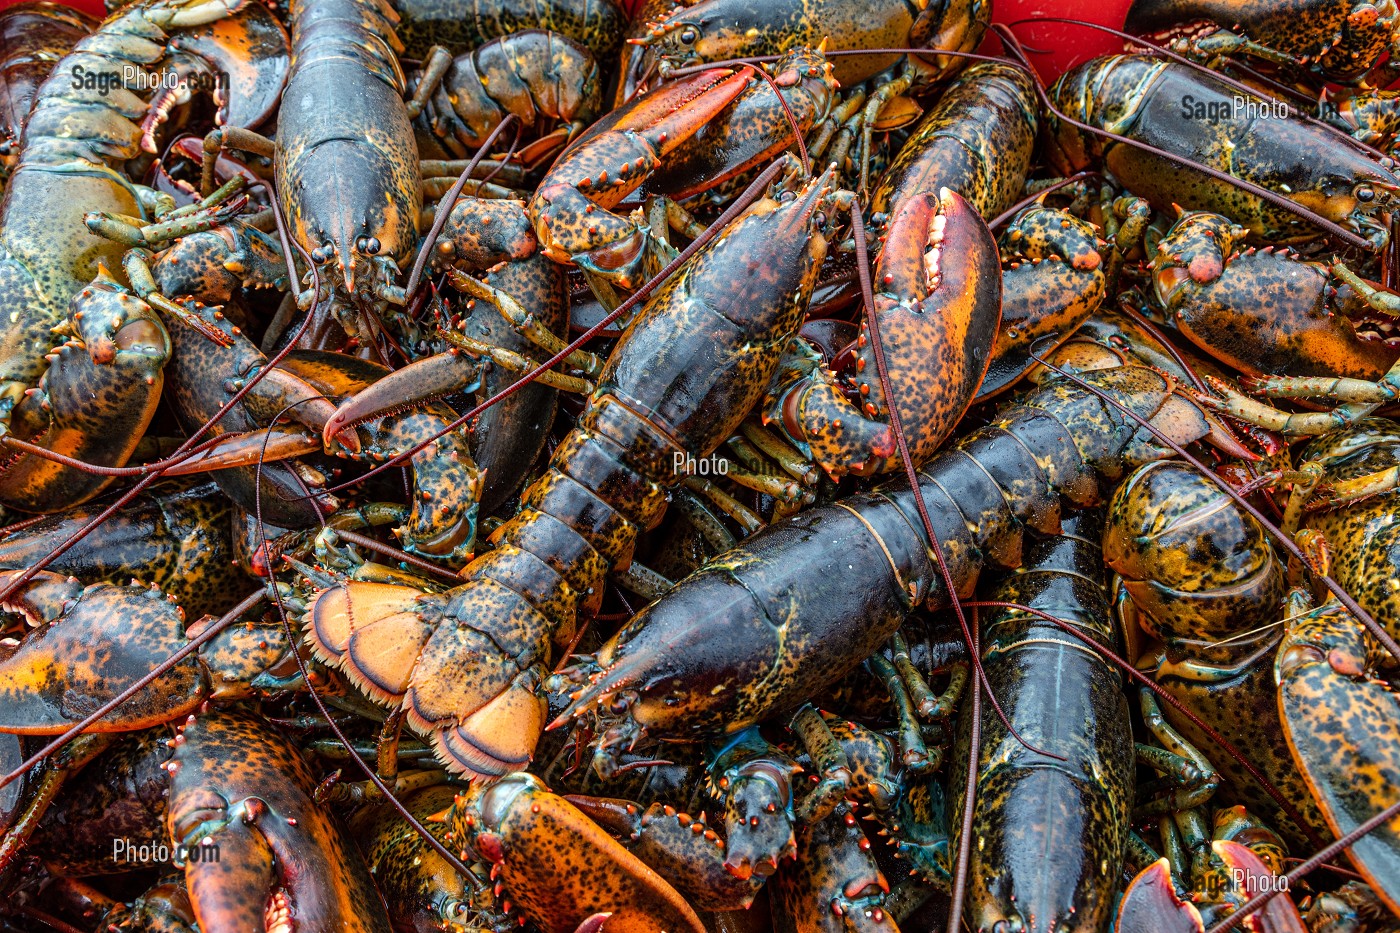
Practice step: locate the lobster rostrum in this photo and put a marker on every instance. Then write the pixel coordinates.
(1141, 98)
(465, 665)
(75, 139)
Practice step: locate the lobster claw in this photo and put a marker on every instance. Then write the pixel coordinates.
(621, 151)
(937, 315)
(1151, 905)
(1327, 701)
(1279, 915)
(99, 640)
(277, 862)
(562, 870)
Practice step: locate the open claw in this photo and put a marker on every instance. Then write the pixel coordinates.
(612, 159)
(937, 313)
(681, 848)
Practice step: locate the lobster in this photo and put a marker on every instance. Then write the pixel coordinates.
(1336, 39)
(105, 637)
(75, 137)
(1050, 834)
(1169, 106)
(466, 666)
(768, 624)
(33, 36)
(1197, 573)
(539, 76)
(598, 25)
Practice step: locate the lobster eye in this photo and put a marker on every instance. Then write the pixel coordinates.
(1365, 195)
(689, 36)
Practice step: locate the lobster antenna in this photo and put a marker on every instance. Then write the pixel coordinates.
(445, 207)
(749, 195)
(1122, 663)
(1278, 200)
(190, 443)
(1164, 52)
(306, 675)
(1282, 539)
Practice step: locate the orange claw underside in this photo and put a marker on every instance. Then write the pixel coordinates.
(1150, 905)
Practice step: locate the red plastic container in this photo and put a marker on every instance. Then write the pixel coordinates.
(1065, 45)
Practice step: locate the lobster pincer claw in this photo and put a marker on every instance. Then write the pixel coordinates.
(571, 208)
(240, 789)
(834, 886)
(1151, 903)
(560, 868)
(93, 403)
(1052, 279)
(681, 848)
(1329, 699)
(937, 313)
(94, 641)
